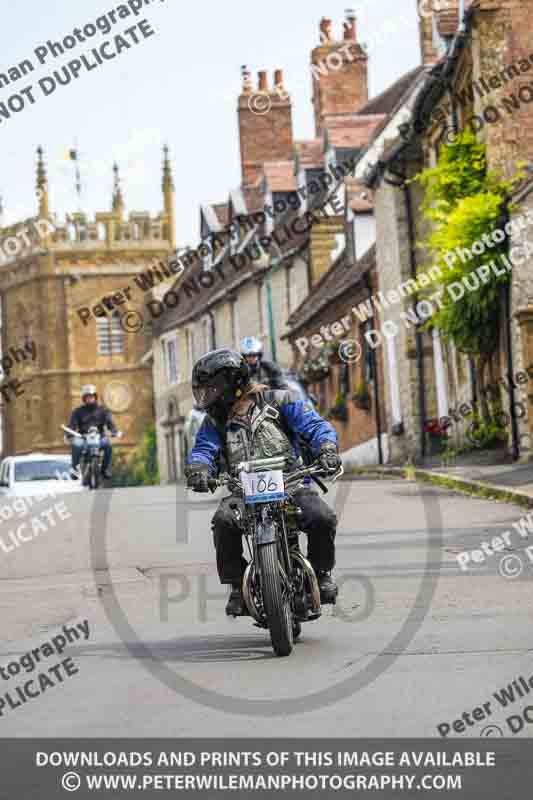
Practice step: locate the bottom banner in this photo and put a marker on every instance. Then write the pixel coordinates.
(207, 768)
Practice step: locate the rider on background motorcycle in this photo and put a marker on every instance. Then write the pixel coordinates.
(247, 421)
(261, 371)
(86, 416)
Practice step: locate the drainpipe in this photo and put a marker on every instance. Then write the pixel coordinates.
(213, 328)
(418, 335)
(271, 324)
(375, 375)
(509, 342)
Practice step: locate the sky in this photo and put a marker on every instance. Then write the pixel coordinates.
(179, 86)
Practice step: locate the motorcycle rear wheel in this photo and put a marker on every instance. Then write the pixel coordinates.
(276, 602)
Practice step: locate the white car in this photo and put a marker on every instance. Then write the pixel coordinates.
(37, 474)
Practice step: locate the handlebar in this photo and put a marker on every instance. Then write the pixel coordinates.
(289, 478)
(70, 432)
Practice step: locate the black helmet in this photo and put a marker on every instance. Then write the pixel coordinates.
(218, 378)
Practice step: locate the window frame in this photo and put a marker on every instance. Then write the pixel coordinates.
(170, 339)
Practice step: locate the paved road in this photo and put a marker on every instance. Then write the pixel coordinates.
(414, 643)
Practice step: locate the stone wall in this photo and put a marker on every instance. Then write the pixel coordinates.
(40, 297)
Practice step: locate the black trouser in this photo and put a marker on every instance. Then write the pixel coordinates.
(317, 520)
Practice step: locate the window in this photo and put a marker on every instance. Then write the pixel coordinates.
(171, 360)
(190, 348)
(39, 470)
(109, 335)
(207, 325)
(344, 380)
(234, 324)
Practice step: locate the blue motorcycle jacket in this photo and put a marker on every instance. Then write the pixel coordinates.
(272, 426)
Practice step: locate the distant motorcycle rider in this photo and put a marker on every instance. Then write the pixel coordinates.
(261, 371)
(89, 415)
(248, 421)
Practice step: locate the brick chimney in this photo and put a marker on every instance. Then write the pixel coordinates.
(437, 19)
(265, 123)
(339, 72)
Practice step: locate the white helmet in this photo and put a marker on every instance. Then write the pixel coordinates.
(89, 388)
(250, 346)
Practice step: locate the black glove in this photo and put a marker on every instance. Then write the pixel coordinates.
(329, 458)
(197, 477)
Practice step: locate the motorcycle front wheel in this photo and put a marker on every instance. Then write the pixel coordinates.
(276, 601)
(93, 474)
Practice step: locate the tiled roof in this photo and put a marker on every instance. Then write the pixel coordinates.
(355, 133)
(254, 198)
(339, 280)
(288, 242)
(386, 102)
(398, 93)
(310, 153)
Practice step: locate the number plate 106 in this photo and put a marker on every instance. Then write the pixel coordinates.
(261, 487)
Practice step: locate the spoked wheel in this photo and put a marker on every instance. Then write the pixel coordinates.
(86, 474)
(276, 601)
(93, 474)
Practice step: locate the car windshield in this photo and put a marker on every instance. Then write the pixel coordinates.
(40, 470)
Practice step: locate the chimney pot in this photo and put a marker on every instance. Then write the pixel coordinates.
(325, 30)
(349, 25)
(278, 77)
(247, 86)
(263, 80)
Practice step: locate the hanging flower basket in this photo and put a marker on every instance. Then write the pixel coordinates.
(316, 369)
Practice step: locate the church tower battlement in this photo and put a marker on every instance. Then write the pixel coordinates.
(48, 270)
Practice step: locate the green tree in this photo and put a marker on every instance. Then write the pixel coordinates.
(463, 201)
(142, 468)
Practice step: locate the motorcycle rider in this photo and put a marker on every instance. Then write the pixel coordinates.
(86, 416)
(246, 421)
(261, 371)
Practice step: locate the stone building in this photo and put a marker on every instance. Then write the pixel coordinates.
(340, 305)
(218, 302)
(474, 59)
(331, 353)
(48, 291)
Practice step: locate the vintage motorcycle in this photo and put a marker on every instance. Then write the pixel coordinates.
(91, 457)
(280, 587)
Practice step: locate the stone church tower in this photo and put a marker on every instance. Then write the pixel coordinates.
(57, 270)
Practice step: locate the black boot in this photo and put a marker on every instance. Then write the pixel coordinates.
(235, 604)
(328, 587)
